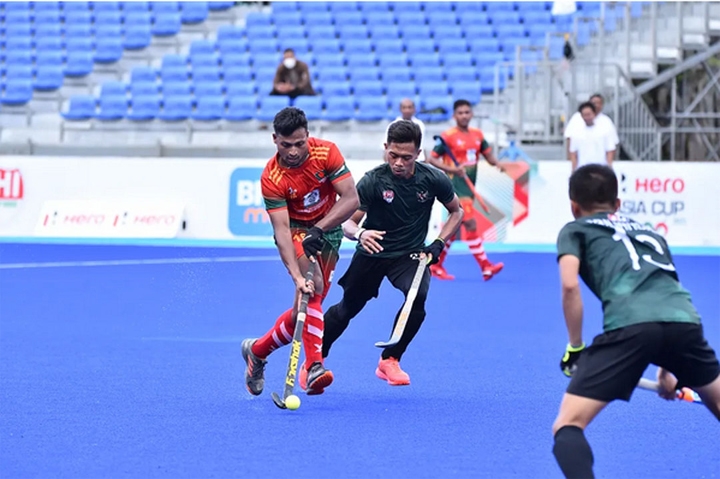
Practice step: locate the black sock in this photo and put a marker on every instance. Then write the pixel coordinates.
(573, 453)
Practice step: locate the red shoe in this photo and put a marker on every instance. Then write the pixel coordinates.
(389, 370)
(491, 270)
(440, 273)
(320, 378)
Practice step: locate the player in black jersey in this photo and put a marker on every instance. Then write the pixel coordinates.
(649, 317)
(396, 200)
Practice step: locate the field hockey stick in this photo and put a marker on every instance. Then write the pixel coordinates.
(405, 312)
(467, 180)
(684, 394)
(296, 345)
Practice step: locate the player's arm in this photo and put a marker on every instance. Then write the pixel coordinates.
(610, 148)
(487, 152)
(571, 299)
(435, 159)
(348, 202)
(368, 239)
(572, 151)
(280, 220)
(454, 220)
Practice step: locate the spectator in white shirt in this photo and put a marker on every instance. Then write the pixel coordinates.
(591, 142)
(407, 112)
(601, 120)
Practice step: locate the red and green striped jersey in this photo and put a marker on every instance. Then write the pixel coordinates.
(307, 191)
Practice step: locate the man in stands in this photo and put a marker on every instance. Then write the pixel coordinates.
(292, 77)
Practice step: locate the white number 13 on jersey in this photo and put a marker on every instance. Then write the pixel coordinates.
(621, 235)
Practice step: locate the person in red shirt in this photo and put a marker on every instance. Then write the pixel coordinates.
(308, 193)
(467, 144)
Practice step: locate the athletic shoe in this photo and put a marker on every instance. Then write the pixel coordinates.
(439, 272)
(389, 370)
(491, 270)
(314, 381)
(255, 372)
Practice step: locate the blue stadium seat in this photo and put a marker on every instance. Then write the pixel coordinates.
(350, 32)
(349, 18)
(176, 108)
(335, 88)
(112, 108)
(290, 33)
(463, 8)
(254, 19)
(392, 60)
(262, 46)
(420, 60)
(444, 102)
(78, 17)
(270, 105)
(530, 17)
(236, 60)
(396, 74)
(245, 88)
(379, 18)
(84, 6)
(420, 46)
(174, 74)
(440, 19)
(411, 18)
(238, 74)
(144, 89)
(510, 30)
(473, 18)
(81, 107)
(461, 74)
(371, 108)
(452, 45)
(166, 24)
(220, 6)
(143, 74)
(374, 6)
(505, 18)
(144, 108)
(176, 88)
(108, 50)
(339, 108)
(447, 31)
(241, 108)
(411, 32)
(435, 88)
(498, 7)
(390, 46)
(534, 6)
(379, 32)
(79, 64)
(230, 33)
(133, 7)
(336, 7)
(429, 74)
(361, 60)
(113, 88)
(452, 60)
(108, 18)
(478, 46)
(330, 60)
(314, 7)
(364, 74)
(137, 37)
(358, 46)
(283, 6)
(431, 8)
(399, 90)
(48, 78)
(367, 88)
(311, 105)
(47, 16)
(194, 12)
(406, 6)
(209, 108)
(17, 92)
(470, 91)
(287, 19)
(208, 88)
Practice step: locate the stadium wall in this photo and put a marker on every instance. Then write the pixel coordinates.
(217, 202)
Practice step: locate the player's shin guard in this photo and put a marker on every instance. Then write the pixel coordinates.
(573, 453)
(475, 245)
(278, 336)
(313, 332)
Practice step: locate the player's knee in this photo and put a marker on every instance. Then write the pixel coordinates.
(470, 225)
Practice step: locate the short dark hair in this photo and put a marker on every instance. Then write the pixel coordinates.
(593, 185)
(289, 50)
(404, 131)
(587, 104)
(598, 95)
(459, 103)
(288, 120)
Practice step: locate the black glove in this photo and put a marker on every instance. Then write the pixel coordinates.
(567, 363)
(434, 249)
(313, 242)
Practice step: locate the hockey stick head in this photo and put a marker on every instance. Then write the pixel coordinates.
(278, 401)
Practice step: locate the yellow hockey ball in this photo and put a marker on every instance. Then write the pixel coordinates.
(292, 402)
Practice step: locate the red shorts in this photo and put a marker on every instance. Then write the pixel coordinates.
(327, 258)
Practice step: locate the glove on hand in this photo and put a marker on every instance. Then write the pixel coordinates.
(572, 354)
(434, 249)
(313, 242)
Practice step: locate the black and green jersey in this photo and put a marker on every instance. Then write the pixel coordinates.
(401, 207)
(629, 268)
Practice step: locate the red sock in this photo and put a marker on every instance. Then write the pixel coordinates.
(313, 331)
(280, 335)
(474, 242)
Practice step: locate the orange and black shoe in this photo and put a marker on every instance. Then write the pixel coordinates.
(389, 370)
(491, 270)
(316, 379)
(255, 371)
(439, 272)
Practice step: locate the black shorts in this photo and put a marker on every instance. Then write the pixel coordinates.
(612, 365)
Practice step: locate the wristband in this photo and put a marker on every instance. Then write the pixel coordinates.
(572, 349)
(359, 233)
